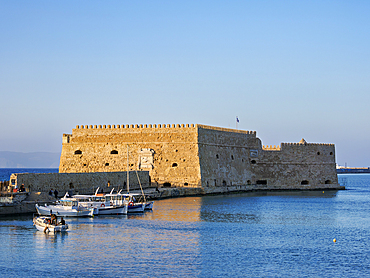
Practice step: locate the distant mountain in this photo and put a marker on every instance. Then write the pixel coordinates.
(29, 160)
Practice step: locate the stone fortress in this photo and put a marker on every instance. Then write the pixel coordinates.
(204, 158)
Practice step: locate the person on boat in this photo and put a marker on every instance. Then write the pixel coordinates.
(54, 219)
(51, 192)
(62, 221)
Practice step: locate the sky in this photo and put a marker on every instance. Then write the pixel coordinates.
(287, 69)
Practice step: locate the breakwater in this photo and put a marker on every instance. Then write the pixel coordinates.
(353, 170)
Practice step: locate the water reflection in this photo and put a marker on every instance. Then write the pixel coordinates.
(177, 209)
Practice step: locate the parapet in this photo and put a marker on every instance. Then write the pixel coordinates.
(127, 126)
(306, 144)
(271, 148)
(226, 129)
(162, 126)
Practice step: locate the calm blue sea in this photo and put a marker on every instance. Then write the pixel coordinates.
(243, 235)
(6, 172)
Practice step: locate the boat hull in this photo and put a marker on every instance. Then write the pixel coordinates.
(42, 226)
(149, 205)
(61, 211)
(111, 210)
(136, 208)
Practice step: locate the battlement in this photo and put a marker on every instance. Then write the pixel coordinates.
(271, 148)
(306, 144)
(135, 126)
(156, 126)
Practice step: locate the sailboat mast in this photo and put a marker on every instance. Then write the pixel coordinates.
(128, 174)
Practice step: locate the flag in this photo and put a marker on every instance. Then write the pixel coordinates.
(237, 119)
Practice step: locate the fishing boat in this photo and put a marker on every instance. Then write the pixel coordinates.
(134, 205)
(65, 207)
(49, 224)
(136, 198)
(103, 204)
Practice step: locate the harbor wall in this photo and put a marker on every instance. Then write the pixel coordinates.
(82, 183)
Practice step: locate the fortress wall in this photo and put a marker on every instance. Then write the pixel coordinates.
(84, 183)
(225, 156)
(198, 156)
(296, 165)
(168, 152)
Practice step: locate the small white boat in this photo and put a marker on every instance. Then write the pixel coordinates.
(47, 225)
(65, 207)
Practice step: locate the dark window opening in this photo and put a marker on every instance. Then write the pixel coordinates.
(224, 183)
(328, 182)
(186, 184)
(249, 182)
(217, 156)
(167, 184)
(78, 152)
(331, 153)
(232, 157)
(71, 186)
(262, 182)
(253, 162)
(106, 164)
(207, 183)
(174, 164)
(215, 182)
(318, 153)
(305, 182)
(114, 152)
(85, 164)
(242, 160)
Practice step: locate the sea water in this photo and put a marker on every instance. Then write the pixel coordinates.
(263, 234)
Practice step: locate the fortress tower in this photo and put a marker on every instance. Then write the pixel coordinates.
(198, 156)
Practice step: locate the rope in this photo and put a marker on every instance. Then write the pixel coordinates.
(142, 192)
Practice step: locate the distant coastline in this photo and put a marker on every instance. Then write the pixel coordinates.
(29, 160)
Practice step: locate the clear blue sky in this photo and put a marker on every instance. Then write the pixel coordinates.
(287, 69)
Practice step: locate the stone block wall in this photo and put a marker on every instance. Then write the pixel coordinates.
(83, 183)
(225, 156)
(168, 152)
(297, 165)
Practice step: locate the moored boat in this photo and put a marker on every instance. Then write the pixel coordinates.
(103, 204)
(68, 207)
(134, 205)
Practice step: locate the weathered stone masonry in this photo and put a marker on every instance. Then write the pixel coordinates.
(209, 158)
